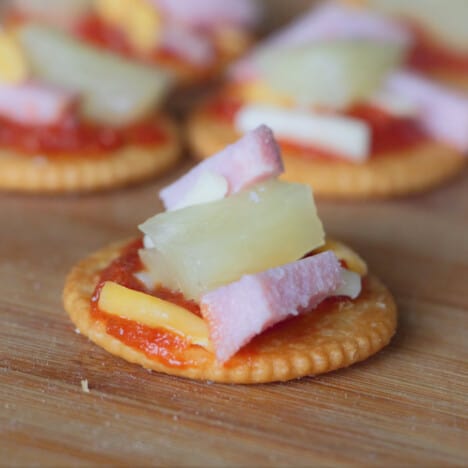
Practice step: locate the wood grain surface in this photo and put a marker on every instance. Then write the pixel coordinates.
(405, 406)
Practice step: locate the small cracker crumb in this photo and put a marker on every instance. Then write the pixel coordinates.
(84, 386)
(77, 331)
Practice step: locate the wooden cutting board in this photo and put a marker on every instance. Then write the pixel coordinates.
(406, 405)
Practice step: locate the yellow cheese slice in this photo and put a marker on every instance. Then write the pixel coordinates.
(143, 26)
(153, 312)
(353, 261)
(112, 11)
(138, 19)
(259, 92)
(13, 65)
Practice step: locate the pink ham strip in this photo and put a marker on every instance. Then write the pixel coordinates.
(252, 159)
(188, 44)
(330, 21)
(337, 21)
(34, 104)
(239, 311)
(442, 112)
(209, 14)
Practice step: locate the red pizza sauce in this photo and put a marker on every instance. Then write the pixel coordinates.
(155, 343)
(94, 30)
(72, 136)
(388, 133)
(158, 343)
(427, 54)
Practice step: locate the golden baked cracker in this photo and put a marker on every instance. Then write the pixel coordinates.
(395, 173)
(335, 335)
(25, 173)
(458, 80)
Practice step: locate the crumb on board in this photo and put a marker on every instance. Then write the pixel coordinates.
(84, 386)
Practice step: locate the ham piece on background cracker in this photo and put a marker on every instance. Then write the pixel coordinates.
(210, 13)
(34, 104)
(254, 158)
(333, 21)
(241, 310)
(442, 112)
(188, 44)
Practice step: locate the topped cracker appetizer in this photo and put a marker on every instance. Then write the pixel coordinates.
(351, 119)
(235, 282)
(73, 118)
(435, 31)
(194, 39)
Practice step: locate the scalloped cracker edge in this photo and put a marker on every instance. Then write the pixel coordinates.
(335, 335)
(125, 166)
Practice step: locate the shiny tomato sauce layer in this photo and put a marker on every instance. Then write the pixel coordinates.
(388, 133)
(156, 343)
(428, 55)
(95, 31)
(73, 136)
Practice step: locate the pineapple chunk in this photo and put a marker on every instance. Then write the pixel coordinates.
(13, 65)
(162, 273)
(202, 247)
(447, 20)
(153, 312)
(259, 92)
(333, 74)
(114, 91)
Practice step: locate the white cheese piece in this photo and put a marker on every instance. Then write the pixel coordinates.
(145, 278)
(394, 104)
(148, 242)
(347, 137)
(351, 284)
(208, 187)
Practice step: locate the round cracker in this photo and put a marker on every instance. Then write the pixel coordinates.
(416, 169)
(335, 335)
(73, 173)
(458, 80)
